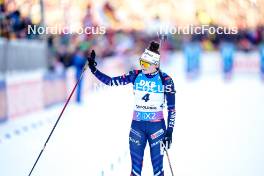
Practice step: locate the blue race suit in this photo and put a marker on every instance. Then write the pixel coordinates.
(148, 123)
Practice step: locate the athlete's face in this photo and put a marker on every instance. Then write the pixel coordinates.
(148, 68)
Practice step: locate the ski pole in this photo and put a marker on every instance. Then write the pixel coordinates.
(163, 37)
(169, 162)
(65, 105)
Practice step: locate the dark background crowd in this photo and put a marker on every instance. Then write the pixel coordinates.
(64, 47)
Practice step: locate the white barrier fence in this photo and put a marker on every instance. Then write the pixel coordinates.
(22, 55)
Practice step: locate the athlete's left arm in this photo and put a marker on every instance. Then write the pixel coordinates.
(170, 99)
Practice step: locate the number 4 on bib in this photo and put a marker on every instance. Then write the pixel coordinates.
(146, 97)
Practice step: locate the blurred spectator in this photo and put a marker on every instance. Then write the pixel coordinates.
(192, 52)
(78, 61)
(227, 50)
(14, 26)
(88, 20)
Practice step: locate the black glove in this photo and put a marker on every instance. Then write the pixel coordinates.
(91, 61)
(167, 139)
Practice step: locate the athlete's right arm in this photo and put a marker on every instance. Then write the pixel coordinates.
(111, 81)
(115, 81)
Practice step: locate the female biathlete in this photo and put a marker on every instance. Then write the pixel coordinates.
(151, 88)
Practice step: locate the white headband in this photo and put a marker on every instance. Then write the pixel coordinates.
(150, 57)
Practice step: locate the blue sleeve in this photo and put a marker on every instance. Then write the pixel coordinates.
(118, 80)
(170, 99)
